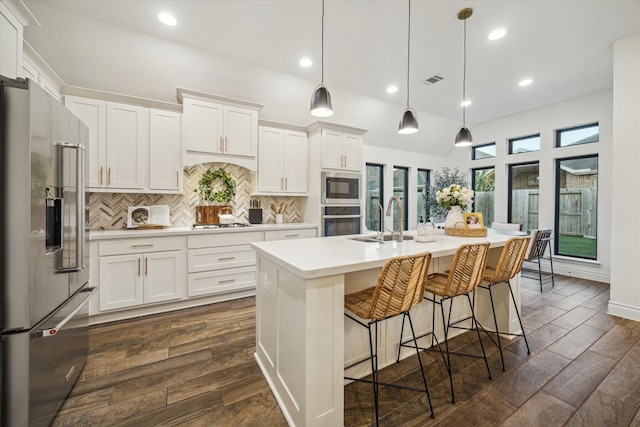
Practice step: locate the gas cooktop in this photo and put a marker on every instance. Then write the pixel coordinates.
(230, 225)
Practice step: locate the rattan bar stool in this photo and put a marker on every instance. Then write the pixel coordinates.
(509, 264)
(400, 286)
(464, 276)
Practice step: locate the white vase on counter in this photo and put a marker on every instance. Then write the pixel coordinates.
(454, 216)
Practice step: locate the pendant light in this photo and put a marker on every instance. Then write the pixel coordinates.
(409, 121)
(321, 105)
(464, 138)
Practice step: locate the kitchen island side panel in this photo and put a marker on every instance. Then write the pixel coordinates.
(299, 343)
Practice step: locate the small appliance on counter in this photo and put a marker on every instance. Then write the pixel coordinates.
(255, 212)
(147, 217)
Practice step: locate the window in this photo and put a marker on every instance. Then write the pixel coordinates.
(400, 188)
(483, 182)
(373, 196)
(424, 177)
(576, 207)
(484, 151)
(524, 194)
(578, 135)
(524, 144)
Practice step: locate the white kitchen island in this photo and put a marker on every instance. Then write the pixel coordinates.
(302, 339)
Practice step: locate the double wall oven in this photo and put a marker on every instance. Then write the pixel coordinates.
(341, 203)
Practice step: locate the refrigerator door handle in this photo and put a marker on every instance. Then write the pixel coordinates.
(80, 212)
(54, 331)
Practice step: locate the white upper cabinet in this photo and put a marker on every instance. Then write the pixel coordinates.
(219, 129)
(14, 16)
(282, 162)
(341, 150)
(165, 151)
(131, 148)
(93, 113)
(127, 146)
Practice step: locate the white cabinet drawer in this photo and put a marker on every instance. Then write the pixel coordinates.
(289, 234)
(136, 246)
(224, 239)
(220, 258)
(221, 281)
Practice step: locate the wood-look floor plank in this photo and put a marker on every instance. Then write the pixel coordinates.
(196, 367)
(541, 410)
(578, 380)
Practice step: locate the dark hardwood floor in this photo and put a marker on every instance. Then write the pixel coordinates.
(196, 368)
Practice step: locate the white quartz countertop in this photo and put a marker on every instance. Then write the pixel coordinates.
(179, 231)
(319, 257)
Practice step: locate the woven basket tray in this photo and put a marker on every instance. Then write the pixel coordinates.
(465, 232)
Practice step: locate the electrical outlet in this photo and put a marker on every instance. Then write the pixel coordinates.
(265, 281)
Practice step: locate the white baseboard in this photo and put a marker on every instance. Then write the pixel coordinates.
(624, 310)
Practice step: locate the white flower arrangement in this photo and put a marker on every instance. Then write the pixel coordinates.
(454, 195)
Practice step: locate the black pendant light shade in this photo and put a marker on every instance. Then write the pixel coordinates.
(464, 138)
(409, 122)
(321, 105)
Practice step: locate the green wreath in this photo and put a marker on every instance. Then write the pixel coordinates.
(207, 182)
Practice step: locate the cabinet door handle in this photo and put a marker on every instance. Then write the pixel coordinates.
(100, 175)
(146, 265)
(109, 176)
(227, 281)
(147, 245)
(286, 183)
(221, 146)
(226, 258)
(177, 179)
(292, 235)
(138, 266)
(226, 144)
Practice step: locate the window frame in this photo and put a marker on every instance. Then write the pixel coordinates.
(425, 215)
(510, 142)
(558, 133)
(556, 214)
(405, 201)
(473, 187)
(510, 167)
(475, 147)
(381, 167)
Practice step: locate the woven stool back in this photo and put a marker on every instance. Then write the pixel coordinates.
(511, 259)
(400, 286)
(466, 269)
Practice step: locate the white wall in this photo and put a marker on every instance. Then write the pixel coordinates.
(625, 250)
(593, 108)
(414, 161)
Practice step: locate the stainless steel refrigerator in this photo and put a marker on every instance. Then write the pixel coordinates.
(44, 265)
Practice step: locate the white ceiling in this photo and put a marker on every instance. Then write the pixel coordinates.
(566, 47)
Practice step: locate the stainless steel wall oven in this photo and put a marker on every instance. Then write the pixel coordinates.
(341, 220)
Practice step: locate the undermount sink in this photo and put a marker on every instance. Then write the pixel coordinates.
(372, 239)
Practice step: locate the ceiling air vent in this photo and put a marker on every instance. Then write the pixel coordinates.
(433, 79)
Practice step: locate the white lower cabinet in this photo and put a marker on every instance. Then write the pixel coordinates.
(222, 264)
(142, 277)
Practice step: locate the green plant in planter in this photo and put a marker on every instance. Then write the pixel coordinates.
(216, 186)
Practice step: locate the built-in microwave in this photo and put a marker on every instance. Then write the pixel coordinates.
(341, 188)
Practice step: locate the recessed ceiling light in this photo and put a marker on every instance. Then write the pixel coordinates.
(497, 34)
(306, 62)
(525, 82)
(167, 19)
(392, 89)
(465, 103)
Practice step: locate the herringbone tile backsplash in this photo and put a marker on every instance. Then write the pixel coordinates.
(108, 211)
